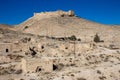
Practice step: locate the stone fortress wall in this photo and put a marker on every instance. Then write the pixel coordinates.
(43, 15)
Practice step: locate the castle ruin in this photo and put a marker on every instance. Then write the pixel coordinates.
(58, 13)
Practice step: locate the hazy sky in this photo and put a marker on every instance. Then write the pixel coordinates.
(101, 11)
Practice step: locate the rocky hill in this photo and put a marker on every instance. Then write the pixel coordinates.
(64, 24)
(5, 26)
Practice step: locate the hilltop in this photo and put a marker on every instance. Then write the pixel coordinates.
(5, 26)
(64, 24)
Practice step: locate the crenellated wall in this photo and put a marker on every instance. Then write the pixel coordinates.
(53, 14)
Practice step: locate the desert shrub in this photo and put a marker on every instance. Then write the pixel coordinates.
(87, 58)
(10, 79)
(42, 47)
(62, 15)
(102, 77)
(62, 77)
(112, 46)
(72, 64)
(3, 72)
(79, 39)
(29, 39)
(79, 54)
(61, 39)
(81, 79)
(66, 47)
(18, 71)
(12, 70)
(99, 72)
(25, 40)
(32, 79)
(102, 41)
(118, 52)
(73, 38)
(26, 53)
(96, 38)
(72, 75)
(46, 72)
(26, 27)
(53, 38)
(119, 71)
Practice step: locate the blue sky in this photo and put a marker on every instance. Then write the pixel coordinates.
(102, 11)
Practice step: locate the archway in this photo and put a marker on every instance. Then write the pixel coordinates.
(38, 69)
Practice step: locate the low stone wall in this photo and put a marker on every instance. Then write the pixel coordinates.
(36, 65)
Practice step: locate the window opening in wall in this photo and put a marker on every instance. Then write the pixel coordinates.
(7, 50)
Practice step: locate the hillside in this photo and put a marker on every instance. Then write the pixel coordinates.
(5, 26)
(64, 24)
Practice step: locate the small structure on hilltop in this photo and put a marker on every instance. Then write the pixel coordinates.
(5, 48)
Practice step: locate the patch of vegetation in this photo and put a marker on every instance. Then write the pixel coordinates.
(72, 75)
(10, 79)
(81, 79)
(79, 39)
(98, 71)
(73, 38)
(19, 71)
(25, 40)
(42, 47)
(102, 77)
(26, 27)
(32, 79)
(96, 38)
(119, 71)
(72, 64)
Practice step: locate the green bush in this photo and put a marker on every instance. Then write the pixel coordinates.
(96, 38)
(73, 38)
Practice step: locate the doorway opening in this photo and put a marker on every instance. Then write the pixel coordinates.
(55, 67)
(7, 50)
